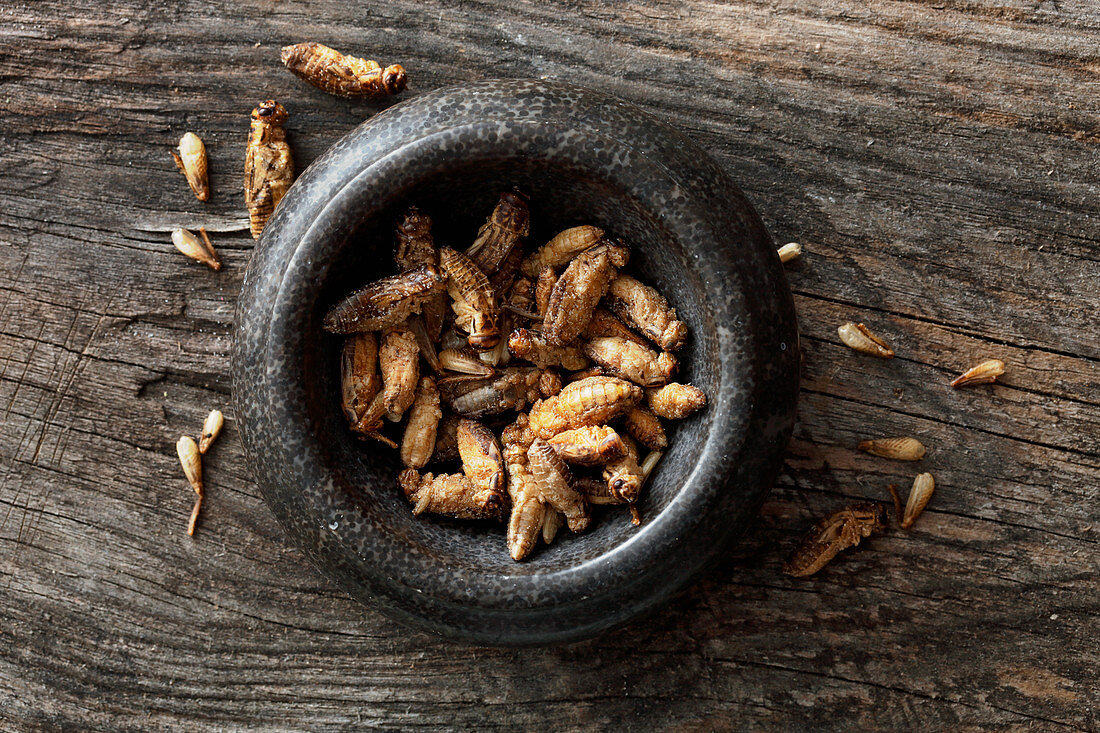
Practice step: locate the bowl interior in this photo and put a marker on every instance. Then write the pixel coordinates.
(458, 195)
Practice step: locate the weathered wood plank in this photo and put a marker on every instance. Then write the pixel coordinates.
(938, 160)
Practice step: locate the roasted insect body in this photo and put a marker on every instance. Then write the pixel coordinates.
(579, 289)
(386, 302)
(188, 244)
(646, 310)
(675, 401)
(555, 484)
(534, 348)
(646, 428)
(449, 494)
(900, 449)
(544, 286)
(528, 509)
(190, 158)
(919, 496)
(984, 373)
(340, 74)
(592, 445)
(482, 459)
(473, 299)
(268, 165)
(628, 360)
(420, 432)
(416, 247)
(399, 358)
(624, 476)
(360, 383)
(512, 389)
(509, 223)
(591, 401)
(838, 531)
(561, 249)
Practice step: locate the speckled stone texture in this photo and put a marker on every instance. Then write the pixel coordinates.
(584, 158)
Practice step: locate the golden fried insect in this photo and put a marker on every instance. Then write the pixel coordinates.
(386, 302)
(512, 389)
(502, 233)
(561, 249)
(534, 348)
(643, 308)
(200, 251)
(579, 289)
(604, 324)
(675, 401)
(360, 383)
(646, 428)
(528, 509)
(341, 74)
(591, 445)
(399, 358)
(555, 484)
(418, 444)
(544, 286)
(190, 158)
(482, 459)
(624, 476)
(446, 440)
(268, 165)
(472, 299)
(591, 401)
(415, 247)
(550, 383)
(452, 495)
(626, 359)
(838, 531)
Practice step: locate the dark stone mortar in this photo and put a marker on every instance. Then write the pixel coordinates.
(584, 158)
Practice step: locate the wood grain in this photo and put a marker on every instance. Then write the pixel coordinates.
(936, 158)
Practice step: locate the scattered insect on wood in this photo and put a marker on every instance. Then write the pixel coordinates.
(790, 251)
(919, 496)
(899, 449)
(191, 460)
(211, 429)
(199, 250)
(342, 74)
(268, 165)
(836, 532)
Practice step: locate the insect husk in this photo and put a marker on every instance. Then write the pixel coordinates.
(650, 463)
(857, 336)
(191, 460)
(385, 303)
(191, 246)
(464, 361)
(919, 496)
(591, 445)
(190, 158)
(211, 428)
(340, 74)
(591, 401)
(675, 401)
(984, 373)
(579, 289)
(790, 251)
(473, 300)
(555, 484)
(836, 532)
(646, 428)
(900, 449)
(626, 359)
(452, 495)
(268, 165)
(646, 310)
(418, 442)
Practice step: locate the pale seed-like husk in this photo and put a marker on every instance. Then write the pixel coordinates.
(790, 251)
(650, 462)
(919, 496)
(191, 160)
(860, 338)
(984, 373)
(191, 460)
(900, 449)
(191, 246)
(210, 430)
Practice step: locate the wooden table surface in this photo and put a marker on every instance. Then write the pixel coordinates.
(936, 158)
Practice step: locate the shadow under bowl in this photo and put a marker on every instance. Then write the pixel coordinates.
(583, 157)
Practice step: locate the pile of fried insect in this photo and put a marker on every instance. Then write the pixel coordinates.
(541, 373)
(560, 329)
